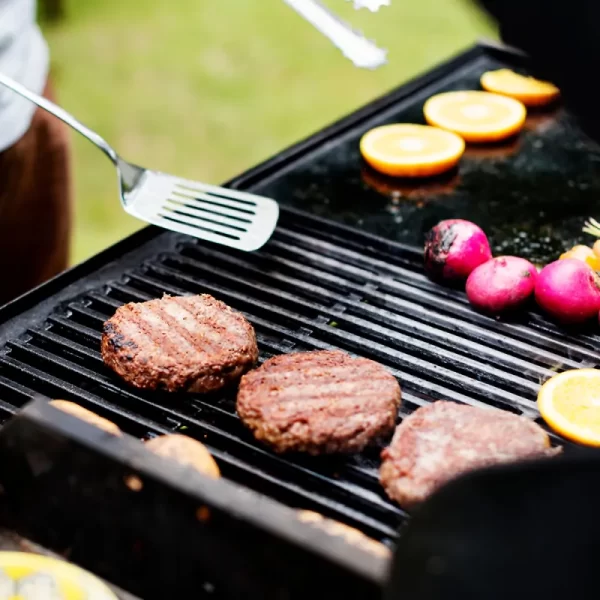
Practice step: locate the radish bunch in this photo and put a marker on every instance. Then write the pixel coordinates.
(567, 289)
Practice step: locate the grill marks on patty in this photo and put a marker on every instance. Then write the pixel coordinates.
(319, 402)
(444, 440)
(188, 343)
(316, 402)
(178, 331)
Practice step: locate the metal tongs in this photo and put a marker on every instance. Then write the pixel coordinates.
(362, 52)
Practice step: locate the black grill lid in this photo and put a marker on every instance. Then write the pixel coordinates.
(494, 535)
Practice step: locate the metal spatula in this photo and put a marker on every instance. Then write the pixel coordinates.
(228, 217)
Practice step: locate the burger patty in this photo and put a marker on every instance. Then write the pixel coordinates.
(319, 402)
(443, 440)
(187, 343)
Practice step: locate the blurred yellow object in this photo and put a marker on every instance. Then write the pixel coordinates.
(24, 575)
(476, 116)
(529, 91)
(405, 150)
(584, 254)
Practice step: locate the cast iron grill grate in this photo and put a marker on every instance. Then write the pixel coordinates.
(316, 285)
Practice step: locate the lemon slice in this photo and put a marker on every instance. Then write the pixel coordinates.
(404, 150)
(570, 404)
(476, 116)
(25, 575)
(530, 91)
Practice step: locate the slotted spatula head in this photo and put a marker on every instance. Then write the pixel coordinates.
(221, 215)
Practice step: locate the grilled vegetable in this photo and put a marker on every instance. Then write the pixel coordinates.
(585, 254)
(349, 534)
(86, 415)
(501, 284)
(186, 451)
(569, 291)
(453, 248)
(591, 227)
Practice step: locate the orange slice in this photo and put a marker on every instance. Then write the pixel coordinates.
(570, 404)
(530, 91)
(411, 150)
(476, 116)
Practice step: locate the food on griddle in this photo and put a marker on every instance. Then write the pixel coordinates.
(585, 254)
(187, 343)
(86, 415)
(476, 116)
(530, 91)
(319, 402)
(569, 404)
(454, 248)
(350, 535)
(443, 440)
(186, 451)
(501, 285)
(569, 291)
(405, 150)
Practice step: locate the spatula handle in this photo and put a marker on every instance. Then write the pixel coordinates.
(62, 114)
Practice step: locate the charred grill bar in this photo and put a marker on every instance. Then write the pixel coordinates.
(317, 285)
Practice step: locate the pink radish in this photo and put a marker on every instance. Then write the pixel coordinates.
(569, 291)
(501, 284)
(453, 248)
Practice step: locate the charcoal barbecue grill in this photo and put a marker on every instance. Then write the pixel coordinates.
(343, 270)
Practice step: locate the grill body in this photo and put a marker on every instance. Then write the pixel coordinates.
(320, 283)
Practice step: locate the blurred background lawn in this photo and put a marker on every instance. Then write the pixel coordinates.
(207, 88)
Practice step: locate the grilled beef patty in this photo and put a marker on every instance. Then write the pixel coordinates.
(188, 343)
(319, 402)
(443, 440)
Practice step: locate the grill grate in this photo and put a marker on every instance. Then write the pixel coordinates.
(314, 286)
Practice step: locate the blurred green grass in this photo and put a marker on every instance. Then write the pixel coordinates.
(206, 89)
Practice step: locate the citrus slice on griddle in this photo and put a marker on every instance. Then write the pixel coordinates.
(530, 91)
(405, 150)
(570, 404)
(476, 116)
